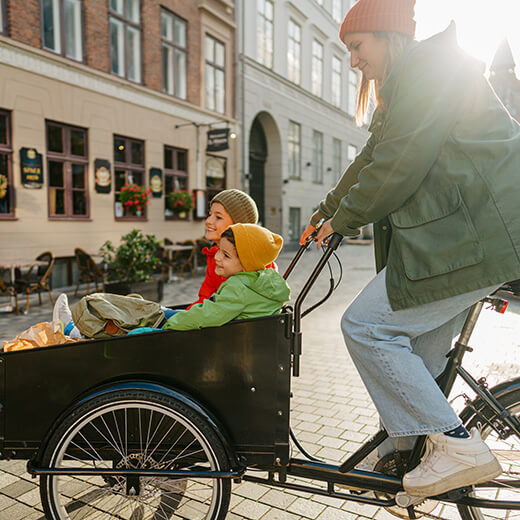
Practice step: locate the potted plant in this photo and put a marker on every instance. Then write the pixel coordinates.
(132, 264)
(134, 198)
(181, 202)
(3, 186)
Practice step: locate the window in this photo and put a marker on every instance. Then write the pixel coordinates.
(264, 33)
(294, 224)
(125, 39)
(7, 201)
(336, 158)
(336, 81)
(67, 165)
(352, 92)
(294, 52)
(3, 18)
(175, 174)
(317, 156)
(337, 11)
(294, 150)
(317, 68)
(62, 27)
(215, 75)
(351, 153)
(128, 169)
(174, 54)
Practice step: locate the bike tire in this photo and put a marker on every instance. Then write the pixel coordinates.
(507, 451)
(134, 429)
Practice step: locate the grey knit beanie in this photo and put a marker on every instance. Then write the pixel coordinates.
(240, 206)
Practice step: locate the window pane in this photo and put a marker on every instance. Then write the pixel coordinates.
(168, 184)
(181, 161)
(5, 204)
(219, 54)
(73, 37)
(180, 33)
(132, 10)
(168, 159)
(167, 69)
(119, 150)
(57, 201)
(134, 54)
(55, 137)
(136, 178)
(294, 224)
(210, 87)
(77, 142)
(79, 203)
(220, 91)
(117, 47)
(120, 179)
(181, 75)
(210, 49)
(3, 129)
(117, 5)
(78, 176)
(136, 153)
(56, 174)
(51, 25)
(166, 26)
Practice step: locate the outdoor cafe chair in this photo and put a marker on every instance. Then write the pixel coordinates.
(10, 290)
(37, 279)
(178, 261)
(89, 271)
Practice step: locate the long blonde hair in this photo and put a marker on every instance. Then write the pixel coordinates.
(396, 43)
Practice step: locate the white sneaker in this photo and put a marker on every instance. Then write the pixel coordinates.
(450, 463)
(61, 312)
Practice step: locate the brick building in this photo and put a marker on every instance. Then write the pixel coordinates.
(96, 94)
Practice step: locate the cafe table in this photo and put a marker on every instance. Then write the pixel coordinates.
(11, 266)
(172, 248)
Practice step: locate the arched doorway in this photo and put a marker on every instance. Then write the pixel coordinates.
(257, 159)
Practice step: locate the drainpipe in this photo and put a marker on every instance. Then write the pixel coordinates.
(241, 24)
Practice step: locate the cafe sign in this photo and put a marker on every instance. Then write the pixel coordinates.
(31, 168)
(218, 140)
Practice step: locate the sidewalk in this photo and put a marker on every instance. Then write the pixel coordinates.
(331, 413)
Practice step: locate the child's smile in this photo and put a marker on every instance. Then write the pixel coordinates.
(227, 262)
(217, 222)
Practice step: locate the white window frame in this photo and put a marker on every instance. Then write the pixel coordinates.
(215, 68)
(317, 68)
(265, 32)
(352, 92)
(294, 52)
(317, 157)
(174, 54)
(336, 157)
(294, 150)
(125, 18)
(337, 11)
(336, 81)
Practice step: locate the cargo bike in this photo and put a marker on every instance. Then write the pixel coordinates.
(158, 426)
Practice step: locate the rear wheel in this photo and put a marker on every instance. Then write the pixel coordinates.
(136, 430)
(507, 451)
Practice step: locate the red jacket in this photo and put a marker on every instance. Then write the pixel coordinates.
(212, 281)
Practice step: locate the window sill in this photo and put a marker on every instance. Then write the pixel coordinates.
(75, 219)
(8, 217)
(131, 219)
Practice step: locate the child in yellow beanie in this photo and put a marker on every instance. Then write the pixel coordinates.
(251, 289)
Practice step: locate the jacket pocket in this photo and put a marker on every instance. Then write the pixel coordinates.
(435, 235)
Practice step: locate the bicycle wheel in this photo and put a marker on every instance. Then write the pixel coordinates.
(136, 430)
(507, 452)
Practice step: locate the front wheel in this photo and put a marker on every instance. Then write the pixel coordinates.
(137, 430)
(507, 451)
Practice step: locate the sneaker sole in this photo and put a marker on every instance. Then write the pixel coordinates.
(460, 479)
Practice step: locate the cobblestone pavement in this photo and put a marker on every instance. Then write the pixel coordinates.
(331, 415)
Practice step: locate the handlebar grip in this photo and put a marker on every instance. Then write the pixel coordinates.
(335, 241)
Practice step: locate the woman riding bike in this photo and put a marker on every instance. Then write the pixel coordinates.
(439, 178)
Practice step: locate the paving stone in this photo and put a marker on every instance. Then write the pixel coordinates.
(6, 502)
(250, 490)
(31, 498)
(278, 499)
(332, 513)
(278, 514)
(16, 512)
(18, 488)
(251, 509)
(306, 508)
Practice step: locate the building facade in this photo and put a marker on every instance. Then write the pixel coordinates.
(297, 108)
(99, 94)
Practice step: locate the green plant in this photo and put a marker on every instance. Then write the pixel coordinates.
(3, 186)
(134, 260)
(134, 197)
(181, 201)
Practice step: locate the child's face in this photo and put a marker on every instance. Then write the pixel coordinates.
(217, 222)
(227, 262)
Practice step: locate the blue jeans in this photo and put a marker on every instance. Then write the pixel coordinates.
(399, 353)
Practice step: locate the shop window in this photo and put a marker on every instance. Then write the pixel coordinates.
(125, 39)
(67, 171)
(62, 27)
(174, 53)
(175, 175)
(7, 194)
(128, 170)
(215, 176)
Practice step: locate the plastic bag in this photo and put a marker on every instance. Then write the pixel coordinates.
(40, 335)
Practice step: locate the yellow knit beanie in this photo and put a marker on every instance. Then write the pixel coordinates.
(256, 246)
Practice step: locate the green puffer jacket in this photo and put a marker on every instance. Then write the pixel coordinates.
(243, 295)
(439, 177)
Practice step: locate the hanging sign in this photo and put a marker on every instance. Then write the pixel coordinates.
(31, 168)
(102, 176)
(218, 140)
(156, 182)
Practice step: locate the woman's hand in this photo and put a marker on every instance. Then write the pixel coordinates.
(303, 239)
(324, 231)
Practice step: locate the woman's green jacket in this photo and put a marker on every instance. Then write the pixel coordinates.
(439, 176)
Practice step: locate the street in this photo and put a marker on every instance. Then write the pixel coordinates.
(331, 415)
